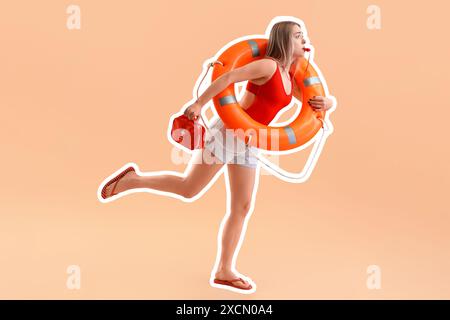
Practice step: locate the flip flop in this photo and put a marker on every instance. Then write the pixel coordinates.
(230, 283)
(115, 180)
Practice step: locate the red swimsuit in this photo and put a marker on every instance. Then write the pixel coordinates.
(270, 98)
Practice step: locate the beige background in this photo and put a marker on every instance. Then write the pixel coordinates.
(78, 104)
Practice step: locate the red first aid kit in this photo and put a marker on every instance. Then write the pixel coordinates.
(188, 133)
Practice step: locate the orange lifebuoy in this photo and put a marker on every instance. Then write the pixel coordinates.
(288, 137)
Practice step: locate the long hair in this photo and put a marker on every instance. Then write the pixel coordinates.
(280, 45)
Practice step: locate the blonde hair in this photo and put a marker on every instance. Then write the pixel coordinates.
(280, 46)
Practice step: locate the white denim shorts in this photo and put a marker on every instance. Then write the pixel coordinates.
(228, 148)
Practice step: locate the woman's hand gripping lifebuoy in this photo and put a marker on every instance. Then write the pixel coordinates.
(319, 103)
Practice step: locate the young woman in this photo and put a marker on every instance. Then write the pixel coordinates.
(269, 89)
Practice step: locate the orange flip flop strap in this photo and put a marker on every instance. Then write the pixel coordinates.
(120, 176)
(114, 187)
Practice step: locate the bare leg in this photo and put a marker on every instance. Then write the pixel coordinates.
(242, 180)
(201, 169)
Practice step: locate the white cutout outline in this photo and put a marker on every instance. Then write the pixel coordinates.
(299, 177)
(222, 170)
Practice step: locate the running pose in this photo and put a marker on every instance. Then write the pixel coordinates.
(269, 89)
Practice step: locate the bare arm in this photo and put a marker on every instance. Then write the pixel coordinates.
(215, 88)
(253, 70)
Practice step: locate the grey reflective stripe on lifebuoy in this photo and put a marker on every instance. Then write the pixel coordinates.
(291, 134)
(227, 100)
(310, 81)
(254, 46)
